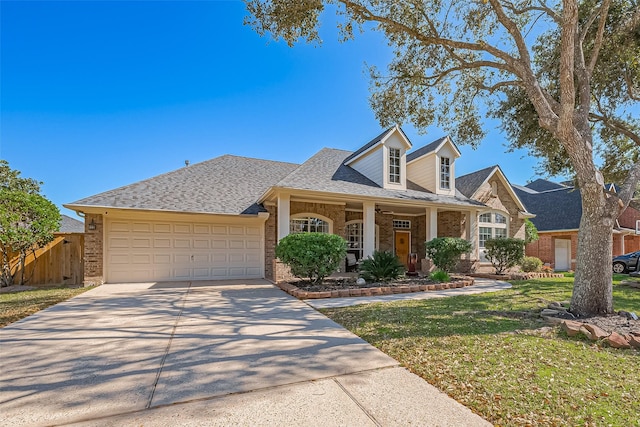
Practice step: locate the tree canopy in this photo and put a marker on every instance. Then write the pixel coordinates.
(562, 76)
(27, 222)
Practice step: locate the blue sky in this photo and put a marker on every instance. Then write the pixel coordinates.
(97, 95)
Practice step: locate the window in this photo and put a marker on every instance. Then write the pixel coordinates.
(355, 238)
(394, 165)
(445, 173)
(402, 223)
(492, 226)
(484, 235)
(308, 224)
(485, 217)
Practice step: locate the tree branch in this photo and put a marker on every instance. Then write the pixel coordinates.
(616, 126)
(541, 8)
(604, 11)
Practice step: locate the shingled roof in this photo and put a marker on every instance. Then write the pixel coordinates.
(70, 225)
(224, 185)
(326, 172)
(425, 150)
(469, 184)
(541, 185)
(559, 209)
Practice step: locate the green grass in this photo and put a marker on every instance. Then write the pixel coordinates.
(492, 353)
(17, 305)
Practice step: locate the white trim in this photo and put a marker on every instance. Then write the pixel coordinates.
(638, 226)
(506, 183)
(360, 221)
(390, 132)
(438, 148)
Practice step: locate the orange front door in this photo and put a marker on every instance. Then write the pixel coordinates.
(402, 245)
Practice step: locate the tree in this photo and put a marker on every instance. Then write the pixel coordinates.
(453, 58)
(27, 222)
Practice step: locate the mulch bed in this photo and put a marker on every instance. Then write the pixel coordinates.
(347, 287)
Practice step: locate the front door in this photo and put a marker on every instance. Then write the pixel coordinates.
(563, 254)
(402, 245)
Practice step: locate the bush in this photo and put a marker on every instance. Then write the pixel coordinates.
(440, 276)
(531, 264)
(504, 253)
(530, 231)
(312, 255)
(381, 266)
(445, 251)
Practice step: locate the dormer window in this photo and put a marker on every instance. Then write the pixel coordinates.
(394, 165)
(445, 173)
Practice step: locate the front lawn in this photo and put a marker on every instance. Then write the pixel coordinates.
(492, 353)
(17, 305)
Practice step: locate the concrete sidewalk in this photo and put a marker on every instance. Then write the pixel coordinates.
(204, 353)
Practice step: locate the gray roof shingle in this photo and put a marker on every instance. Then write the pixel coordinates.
(559, 209)
(70, 225)
(224, 185)
(468, 184)
(541, 185)
(425, 150)
(325, 171)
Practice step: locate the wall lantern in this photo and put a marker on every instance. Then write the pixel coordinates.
(92, 225)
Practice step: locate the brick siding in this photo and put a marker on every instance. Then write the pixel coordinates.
(94, 250)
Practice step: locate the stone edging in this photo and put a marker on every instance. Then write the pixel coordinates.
(367, 292)
(518, 276)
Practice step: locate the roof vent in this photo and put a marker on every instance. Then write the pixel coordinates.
(186, 163)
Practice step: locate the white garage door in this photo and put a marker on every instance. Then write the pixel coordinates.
(141, 251)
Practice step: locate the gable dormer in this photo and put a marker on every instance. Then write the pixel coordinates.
(384, 159)
(433, 166)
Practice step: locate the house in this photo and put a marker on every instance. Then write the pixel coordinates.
(558, 210)
(222, 218)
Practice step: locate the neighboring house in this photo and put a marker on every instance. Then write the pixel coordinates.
(558, 209)
(222, 218)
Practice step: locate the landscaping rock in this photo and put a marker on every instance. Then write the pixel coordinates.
(628, 315)
(570, 327)
(634, 341)
(595, 332)
(616, 340)
(550, 312)
(361, 282)
(554, 305)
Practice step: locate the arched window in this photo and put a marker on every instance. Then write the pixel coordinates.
(309, 223)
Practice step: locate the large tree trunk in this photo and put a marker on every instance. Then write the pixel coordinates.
(592, 289)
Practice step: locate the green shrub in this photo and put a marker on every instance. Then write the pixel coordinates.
(531, 264)
(312, 255)
(504, 253)
(440, 276)
(445, 251)
(530, 231)
(381, 266)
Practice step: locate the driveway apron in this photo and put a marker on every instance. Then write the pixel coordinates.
(129, 347)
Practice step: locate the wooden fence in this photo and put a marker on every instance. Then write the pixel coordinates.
(60, 262)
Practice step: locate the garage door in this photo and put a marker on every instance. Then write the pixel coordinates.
(140, 251)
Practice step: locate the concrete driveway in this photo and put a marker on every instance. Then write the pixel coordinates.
(204, 353)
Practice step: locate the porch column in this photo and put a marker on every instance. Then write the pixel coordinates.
(368, 228)
(432, 223)
(283, 215)
(472, 233)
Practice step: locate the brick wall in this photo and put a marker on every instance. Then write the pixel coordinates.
(450, 224)
(545, 248)
(270, 240)
(93, 250)
(631, 244)
(628, 218)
